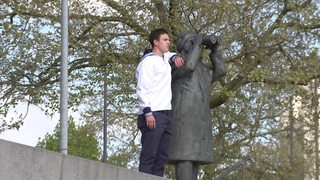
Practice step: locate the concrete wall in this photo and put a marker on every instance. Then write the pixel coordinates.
(20, 162)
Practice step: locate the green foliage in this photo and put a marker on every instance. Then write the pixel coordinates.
(82, 141)
(270, 49)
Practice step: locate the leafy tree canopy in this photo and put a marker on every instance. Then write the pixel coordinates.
(266, 41)
(82, 141)
(270, 48)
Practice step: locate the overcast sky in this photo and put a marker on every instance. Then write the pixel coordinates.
(35, 126)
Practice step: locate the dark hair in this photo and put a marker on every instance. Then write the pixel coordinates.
(155, 35)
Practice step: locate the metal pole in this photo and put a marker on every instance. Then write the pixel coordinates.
(105, 120)
(316, 121)
(64, 79)
(234, 167)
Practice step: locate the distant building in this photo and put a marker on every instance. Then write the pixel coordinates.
(299, 143)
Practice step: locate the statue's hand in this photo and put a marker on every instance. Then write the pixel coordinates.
(211, 42)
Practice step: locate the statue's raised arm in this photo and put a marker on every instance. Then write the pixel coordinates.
(213, 43)
(188, 45)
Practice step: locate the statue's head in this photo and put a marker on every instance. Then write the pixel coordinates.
(184, 40)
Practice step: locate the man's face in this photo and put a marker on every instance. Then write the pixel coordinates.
(164, 43)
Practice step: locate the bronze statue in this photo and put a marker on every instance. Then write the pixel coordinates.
(192, 142)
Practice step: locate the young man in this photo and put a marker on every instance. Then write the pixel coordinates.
(154, 95)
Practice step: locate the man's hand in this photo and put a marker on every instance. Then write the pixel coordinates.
(178, 61)
(151, 122)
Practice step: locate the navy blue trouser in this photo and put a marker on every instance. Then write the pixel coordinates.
(155, 143)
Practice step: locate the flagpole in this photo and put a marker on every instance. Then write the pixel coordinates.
(64, 79)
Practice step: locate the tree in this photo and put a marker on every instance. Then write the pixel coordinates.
(82, 141)
(269, 48)
(260, 45)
